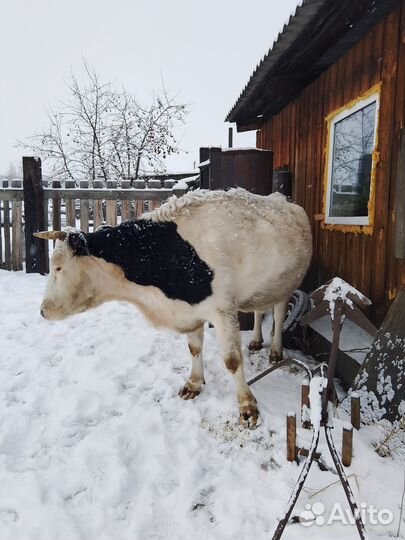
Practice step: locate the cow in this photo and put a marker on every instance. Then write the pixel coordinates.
(197, 258)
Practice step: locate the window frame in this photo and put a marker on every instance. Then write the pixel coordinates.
(372, 96)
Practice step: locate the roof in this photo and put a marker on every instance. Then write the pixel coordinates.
(314, 38)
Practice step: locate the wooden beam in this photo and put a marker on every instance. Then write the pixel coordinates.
(70, 205)
(98, 211)
(305, 405)
(7, 194)
(399, 242)
(109, 194)
(36, 256)
(347, 446)
(291, 436)
(16, 246)
(7, 235)
(355, 410)
(84, 208)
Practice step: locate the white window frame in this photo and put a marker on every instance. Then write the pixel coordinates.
(349, 220)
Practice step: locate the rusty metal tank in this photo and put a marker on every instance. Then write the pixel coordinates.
(249, 168)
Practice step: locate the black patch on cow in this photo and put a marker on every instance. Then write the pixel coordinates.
(155, 254)
(78, 243)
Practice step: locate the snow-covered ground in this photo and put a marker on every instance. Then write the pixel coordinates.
(95, 443)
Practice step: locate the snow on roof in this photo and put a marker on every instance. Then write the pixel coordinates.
(237, 149)
(181, 184)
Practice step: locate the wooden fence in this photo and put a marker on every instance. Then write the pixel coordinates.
(29, 206)
(11, 226)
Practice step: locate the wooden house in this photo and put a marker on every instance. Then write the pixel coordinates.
(329, 101)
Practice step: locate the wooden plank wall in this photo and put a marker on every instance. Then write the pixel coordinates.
(297, 136)
(11, 232)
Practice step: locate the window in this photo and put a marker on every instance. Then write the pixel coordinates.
(352, 141)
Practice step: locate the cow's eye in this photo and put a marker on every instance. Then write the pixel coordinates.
(58, 268)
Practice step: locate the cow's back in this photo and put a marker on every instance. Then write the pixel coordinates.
(259, 247)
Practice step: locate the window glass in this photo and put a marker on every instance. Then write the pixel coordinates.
(353, 145)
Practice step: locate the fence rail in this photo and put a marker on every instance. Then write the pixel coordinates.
(110, 194)
(28, 206)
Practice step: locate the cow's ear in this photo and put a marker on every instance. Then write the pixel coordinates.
(78, 243)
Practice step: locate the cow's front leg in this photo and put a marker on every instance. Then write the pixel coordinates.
(227, 328)
(194, 384)
(256, 343)
(276, 349)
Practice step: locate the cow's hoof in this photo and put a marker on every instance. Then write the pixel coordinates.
(255, 345)
(249, 416)
(190, 391)
(275, 357)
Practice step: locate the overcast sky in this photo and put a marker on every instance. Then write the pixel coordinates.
(205, 51)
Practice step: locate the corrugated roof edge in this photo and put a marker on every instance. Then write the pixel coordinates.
(303, 15)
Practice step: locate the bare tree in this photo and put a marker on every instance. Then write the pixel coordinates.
(103, 132)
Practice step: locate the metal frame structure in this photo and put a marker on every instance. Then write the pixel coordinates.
(338, 300)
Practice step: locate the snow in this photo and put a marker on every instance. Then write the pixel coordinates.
(316, 387)
(354, 341)
(95, 444)
(237, 149)
(338, 288)
(182, 184)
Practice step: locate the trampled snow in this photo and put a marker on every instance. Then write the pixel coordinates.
(95, 444)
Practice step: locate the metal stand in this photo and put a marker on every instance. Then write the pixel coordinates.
(338, 300)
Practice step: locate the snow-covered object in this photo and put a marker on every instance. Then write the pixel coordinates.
(337, 288)
(380, 382)
(184, 183)
(316, 387)
(181, 184)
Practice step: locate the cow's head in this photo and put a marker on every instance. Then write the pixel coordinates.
(69, 289)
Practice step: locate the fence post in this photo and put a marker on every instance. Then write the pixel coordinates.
(36, 250)
(84, 208)
(70, 205)
(111, 205)
(16, 229)
(291, 436)
(125, 204)
(305, 405)
(56, 207)
(98, 212)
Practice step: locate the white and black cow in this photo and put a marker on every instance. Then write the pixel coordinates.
(198, 258)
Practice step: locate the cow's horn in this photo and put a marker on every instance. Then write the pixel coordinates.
(51, 235)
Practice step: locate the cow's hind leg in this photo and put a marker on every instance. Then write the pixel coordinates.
(276, 349)
(227, 328)
(256, 343)
(194, 384)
